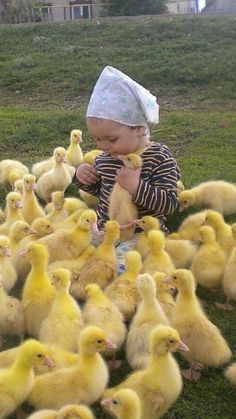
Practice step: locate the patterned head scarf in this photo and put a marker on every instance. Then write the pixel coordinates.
(119, 98)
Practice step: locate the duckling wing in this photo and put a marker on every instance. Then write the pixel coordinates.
(97, 270)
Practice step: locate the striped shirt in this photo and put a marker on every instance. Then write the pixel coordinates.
(157, 190)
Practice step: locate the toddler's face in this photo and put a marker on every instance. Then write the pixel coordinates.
(115, 138)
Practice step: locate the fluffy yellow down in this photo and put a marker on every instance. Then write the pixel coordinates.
(83, 383)
(159, 384)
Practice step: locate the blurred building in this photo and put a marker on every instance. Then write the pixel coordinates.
(58, 10)
(223, 6)
(183, 6)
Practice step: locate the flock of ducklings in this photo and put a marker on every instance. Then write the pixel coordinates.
(74, 311)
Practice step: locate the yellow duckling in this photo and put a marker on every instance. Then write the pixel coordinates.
(189, 228)
(146, 223)
(180, 187)
(102, 266)
(123, 291)
(18, 186)
(7, 270)
(72, 242)
(40, 227)
(83, 383)
(58, 212)
(71, 411)
(38, 293)
(124, 404)
(64, 322)
(181, 252)
(13, 211)
(229, 282)
(231, 241)
(157, 259)
(159, 384)
(61, 358)
(164, 295)
(90, 200)
(56, 179)
(74, 153)
(18, 231)
(31, 207)
(148, 315)
(72, 219)
(206, 345)
(223, 231)
(17, 381)
(215, 194)
(208, 265)
(90, 156)
(11, 315)
(71, 205)
(121, 206)
(43, 166)
(230, 373)
(11, 170)
(101, 312)
(74, 266)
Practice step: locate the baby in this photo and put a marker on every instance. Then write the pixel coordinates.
(117, 117)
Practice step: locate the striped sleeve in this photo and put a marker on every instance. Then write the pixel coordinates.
(159, 192)
(93, 189)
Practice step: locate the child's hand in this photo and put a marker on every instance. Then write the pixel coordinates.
(128, 179)
(86, 174)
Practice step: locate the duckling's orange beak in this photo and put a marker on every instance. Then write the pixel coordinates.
(49, 362)
(136, 222)
(182, 347)
(106, 402)
(110, 345)
(33, 187)
(128, 225)
(6, 252)
(23, 253)
(32, 231)
(18, 205)
(94, 228)
(167, 280)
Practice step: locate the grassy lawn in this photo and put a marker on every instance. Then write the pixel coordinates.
(47, 74)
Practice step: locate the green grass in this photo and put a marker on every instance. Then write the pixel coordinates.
(47, 75)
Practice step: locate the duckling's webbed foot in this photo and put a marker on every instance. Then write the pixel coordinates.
(226, 306)
(114, 364)
(191, 374)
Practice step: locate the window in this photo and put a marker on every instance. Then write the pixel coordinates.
(80, 11)
(46, 13)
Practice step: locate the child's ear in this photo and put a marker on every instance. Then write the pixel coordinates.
(141, 131)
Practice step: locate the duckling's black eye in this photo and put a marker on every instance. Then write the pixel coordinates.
(185, 202)
(39, 355)
(174, 277)
(87, 220)
(171, 341)
(114, 401)
(99, 341)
